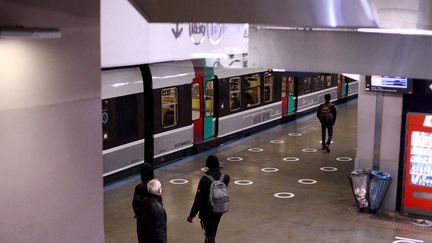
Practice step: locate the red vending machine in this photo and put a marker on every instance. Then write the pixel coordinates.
(417, 197)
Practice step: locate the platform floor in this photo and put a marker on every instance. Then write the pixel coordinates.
(320, 212)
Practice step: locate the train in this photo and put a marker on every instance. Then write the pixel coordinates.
(161, 112)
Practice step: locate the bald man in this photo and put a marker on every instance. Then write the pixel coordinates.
(153, 215)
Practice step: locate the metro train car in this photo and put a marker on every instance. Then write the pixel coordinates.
(165, 111)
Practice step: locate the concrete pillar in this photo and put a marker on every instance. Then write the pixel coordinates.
(390, 136)
(50, 130)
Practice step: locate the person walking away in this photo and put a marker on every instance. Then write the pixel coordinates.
(153, 217)
(141, 192)
(326, 114)
(210, 213)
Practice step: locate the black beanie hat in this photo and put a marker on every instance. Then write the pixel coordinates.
(212, 162)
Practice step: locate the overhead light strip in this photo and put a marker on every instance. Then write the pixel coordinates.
(22, 32)
(397, 31)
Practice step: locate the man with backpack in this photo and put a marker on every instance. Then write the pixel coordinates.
(326, 114)
(211, 199)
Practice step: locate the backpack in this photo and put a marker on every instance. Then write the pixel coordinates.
(218, 196)
(325, 115)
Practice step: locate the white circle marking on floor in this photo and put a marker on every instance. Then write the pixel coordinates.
(277, 141)
(328, 169)
(344, 159)
(284, 195)
(307, 181)
(294, 134)
(291, 159)
(406, 240)
(179, 181)
(234, 158)
(243, 182)
(309, 150)
(422, 222)
(204, 169)
(269, 170)
(256, 150)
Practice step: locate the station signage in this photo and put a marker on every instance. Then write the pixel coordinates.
(128, 39)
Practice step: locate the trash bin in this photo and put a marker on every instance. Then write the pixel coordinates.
(379, 184)
(360, 186)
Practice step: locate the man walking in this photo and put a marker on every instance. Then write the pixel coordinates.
(209, 219)
(152, 215)
(326, 114)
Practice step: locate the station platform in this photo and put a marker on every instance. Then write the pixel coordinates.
(270, 162)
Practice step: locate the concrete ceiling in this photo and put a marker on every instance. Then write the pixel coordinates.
(75, 7)
(293, 13)
(326, 51)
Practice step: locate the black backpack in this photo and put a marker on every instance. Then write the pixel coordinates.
(325, 115)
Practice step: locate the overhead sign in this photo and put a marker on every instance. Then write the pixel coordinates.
(128, 39)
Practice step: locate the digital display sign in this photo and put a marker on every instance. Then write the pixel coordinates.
(393, 84)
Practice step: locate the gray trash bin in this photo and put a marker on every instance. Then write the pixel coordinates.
(379, 184)
(359, 180)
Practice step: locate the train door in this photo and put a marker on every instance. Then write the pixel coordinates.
(339, 86)
(208, 114)
(284, 95)
(288, 105)
(341, 89)
(291, 105)
(197, 111)
(197, 104)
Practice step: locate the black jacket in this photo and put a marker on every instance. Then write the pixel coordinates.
(153, 218)
(201, 203)
(141, 192)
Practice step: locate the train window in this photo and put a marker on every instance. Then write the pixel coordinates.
(268, 87)
(127, 118)
(105, 120)
(234, 93)
(318, 83)
(307, 85)
(328, 81)
(284, 86)
(252, 94)
(169, 107)
(209, 98)
(196, 105)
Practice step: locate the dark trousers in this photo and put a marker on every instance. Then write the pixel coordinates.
(329, 128)
(139, 233)
(210, 228)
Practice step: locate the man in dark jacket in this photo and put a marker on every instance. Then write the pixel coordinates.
(209, 220)
(153, 217)
(141, 192)
(326, 114)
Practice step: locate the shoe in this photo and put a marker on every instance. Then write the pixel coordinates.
(327, 148)
(324, 148)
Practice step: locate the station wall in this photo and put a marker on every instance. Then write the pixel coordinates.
(51, 163)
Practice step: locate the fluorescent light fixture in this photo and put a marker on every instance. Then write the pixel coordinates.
(279, 70)
(22, 32)
(397, 31)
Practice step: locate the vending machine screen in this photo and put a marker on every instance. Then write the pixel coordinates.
(421, 159)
